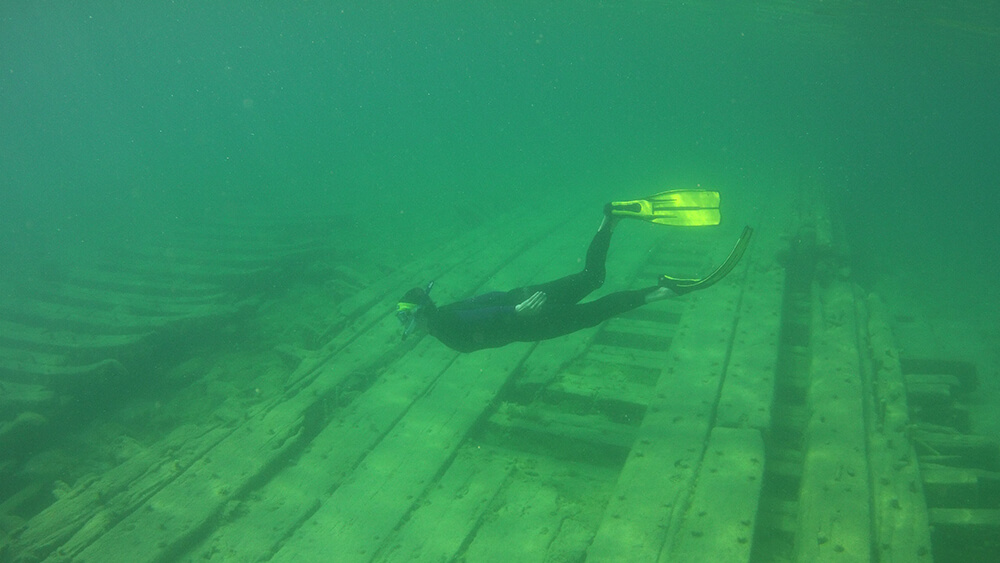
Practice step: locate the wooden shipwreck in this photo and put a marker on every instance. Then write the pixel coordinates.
(771, 418)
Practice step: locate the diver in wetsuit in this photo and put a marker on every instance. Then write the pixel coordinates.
(540, 312)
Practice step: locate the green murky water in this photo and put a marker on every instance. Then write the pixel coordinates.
(410, 121)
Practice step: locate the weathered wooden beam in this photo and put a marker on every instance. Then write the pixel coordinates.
(671, 441)
(834, 501)
(719, 523)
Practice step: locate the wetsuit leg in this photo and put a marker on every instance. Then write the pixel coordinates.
(571, 289)
(565, 319)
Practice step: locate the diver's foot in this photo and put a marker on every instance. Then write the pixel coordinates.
(610, 220)
(659, 294)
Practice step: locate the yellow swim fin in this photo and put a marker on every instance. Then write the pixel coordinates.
(685, 208)
(680, 286)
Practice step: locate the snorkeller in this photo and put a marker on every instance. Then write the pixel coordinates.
(550, 310)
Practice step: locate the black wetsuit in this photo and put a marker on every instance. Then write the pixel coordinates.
(490, 320)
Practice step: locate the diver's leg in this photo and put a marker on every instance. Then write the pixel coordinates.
(571, 318)
(573, 288)
(597, 253)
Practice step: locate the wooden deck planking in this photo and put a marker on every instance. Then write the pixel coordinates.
(116, 321)
(283, 417)
(522, 527)
(457, 401)
(388, 477)
(901, 525)
(718, 526)
(135, 283)
(76, 295)
(656, 478)
(451, 511)
(749, 386)
(566, 534)
(39, 337)
(834, 501)
(611, 386)
(288, 498)
(98, 504)
(373, 500)
(337, 448)
(164, 523)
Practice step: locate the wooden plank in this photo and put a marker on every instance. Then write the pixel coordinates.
(650, 359)
(748, 391)
(70, 295)
(947, 379)
(117, 322)
(929, 394)
(166, 520)
(25, 371)
(614, 386)
(138, 283)
(521, 527)
(719, 524)
(649, 327)
(899, 511)
(293, 494)
(95, 505)
(589, 368)
(211, 271)
(565, 427)
(61, 339)
(15, 359)
(23, 395)
(672, 436)
(633, 340)
(977, 451)
(452, 511)
(834, 517)
(984, 519)
(954, 486)
(371, 503)
(965, 373)
(246, 256)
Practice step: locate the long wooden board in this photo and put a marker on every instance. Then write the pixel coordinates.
(748, 392)
(655, 481)
(451, 511)
(899, 513)
(718, 525)
(366, 508)
(834, 514)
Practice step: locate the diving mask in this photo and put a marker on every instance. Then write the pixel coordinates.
(410, 306)
(407, 315)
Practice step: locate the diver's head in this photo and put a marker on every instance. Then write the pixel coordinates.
(413, 308)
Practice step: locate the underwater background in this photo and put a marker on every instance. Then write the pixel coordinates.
(114, 112)
(394, 125)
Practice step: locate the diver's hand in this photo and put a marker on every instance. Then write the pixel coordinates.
(531, 305)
